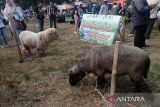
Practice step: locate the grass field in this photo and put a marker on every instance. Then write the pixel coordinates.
(44, 82)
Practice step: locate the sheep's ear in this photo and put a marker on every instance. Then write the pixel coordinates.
(70, 71)
(46, 35)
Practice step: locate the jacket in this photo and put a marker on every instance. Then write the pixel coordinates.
(104, 10)
(141, 12)
(153, 12)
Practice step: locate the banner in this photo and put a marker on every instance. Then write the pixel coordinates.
(99, 28)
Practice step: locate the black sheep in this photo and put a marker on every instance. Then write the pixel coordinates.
(132, 61)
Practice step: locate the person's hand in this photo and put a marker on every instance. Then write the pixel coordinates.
(47, 17)
(153, 5)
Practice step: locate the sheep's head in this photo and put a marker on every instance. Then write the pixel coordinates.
(51, 34)
(75, 75)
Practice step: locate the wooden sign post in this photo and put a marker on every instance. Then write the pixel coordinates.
(109, 101)
(114, 70)
(12, 27)
(114, 67)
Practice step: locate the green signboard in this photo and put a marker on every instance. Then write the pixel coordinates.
(99, 28)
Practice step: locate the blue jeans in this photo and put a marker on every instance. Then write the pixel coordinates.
(3, 36)
(41, 24)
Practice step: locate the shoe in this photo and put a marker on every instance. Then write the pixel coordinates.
(2, 46)
(75, 32)
(6, 46)
(130, 35)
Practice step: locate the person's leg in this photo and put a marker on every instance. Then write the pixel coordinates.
(79, 23)
(132, 30)
(40, 21)
(55, 22)
(75, 23)
(139, 39)
(17, 36)
(149, 28)
(42, 25)
(122, 32)
(5, 36)
(51, 22)
(144, 28)
(1, 38)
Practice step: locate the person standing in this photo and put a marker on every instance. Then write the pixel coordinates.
(89, 9)
(122, 25)
(3, 35)
(140, 19)
(153, 16)
(115, 10)
(53, 10)
(18, 15)
(129, 15)
(125, 6)
(119, 8)
(12, 9)
(104, 8)
(40, 16)
(80, 14)
(96, 8)
(76, 17)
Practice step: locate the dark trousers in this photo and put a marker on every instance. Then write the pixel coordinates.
(41, 24)
(53, 21)
(139, 39)
(3, 36)
(149, 28)
(132, 28)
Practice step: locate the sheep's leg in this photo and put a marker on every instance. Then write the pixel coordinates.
(23, 52)
(38, 54)
(43, 52)
(28, 49)
(100, 82)
(141, 86)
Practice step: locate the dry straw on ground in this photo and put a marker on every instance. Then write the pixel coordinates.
(44, 82)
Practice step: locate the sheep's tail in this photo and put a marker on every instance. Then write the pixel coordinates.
(146, 69)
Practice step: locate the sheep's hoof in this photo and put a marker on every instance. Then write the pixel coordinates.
(21, 61)
(37, 56)
(143, 90)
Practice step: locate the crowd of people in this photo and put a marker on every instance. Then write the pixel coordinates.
(19, 18)
(141, 13)
(97, 8)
